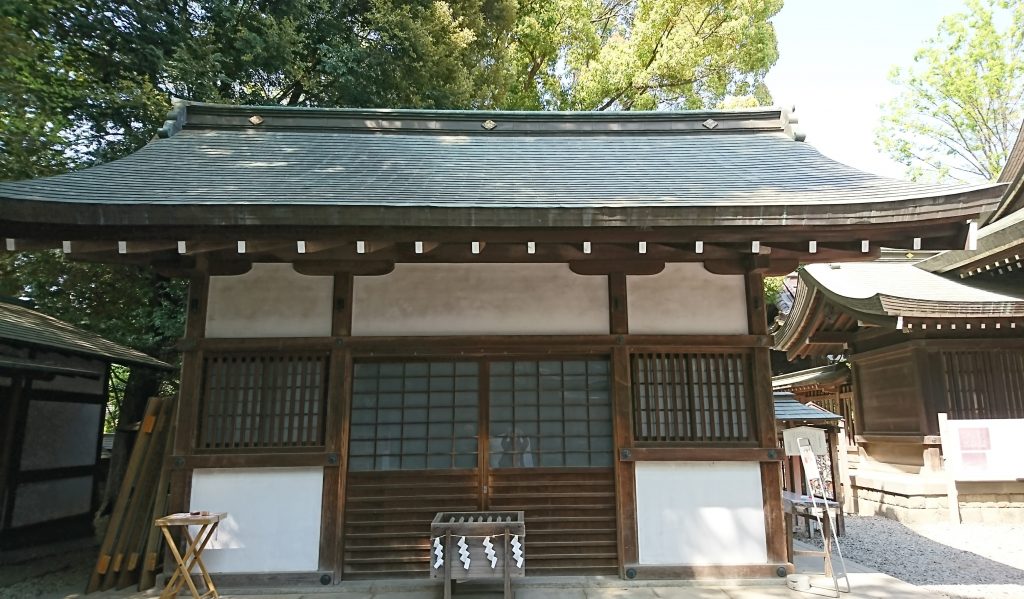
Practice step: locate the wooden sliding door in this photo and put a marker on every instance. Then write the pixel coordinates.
(429, 436)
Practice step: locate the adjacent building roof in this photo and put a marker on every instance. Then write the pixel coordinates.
(1000, 243)
(787, 408)
(1013, 176)
(844, 297)
(1000, 251)
(255, 166)
(26, 326)
(823, 376)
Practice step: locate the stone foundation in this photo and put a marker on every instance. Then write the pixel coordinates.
(1001, 503)
(902, 508)
(916, 501)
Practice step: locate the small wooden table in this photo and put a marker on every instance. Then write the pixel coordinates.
(207, 523)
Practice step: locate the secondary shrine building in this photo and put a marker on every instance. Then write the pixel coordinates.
(395, 313)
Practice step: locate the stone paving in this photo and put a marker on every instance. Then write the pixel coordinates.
(866, 585)
(63, 580)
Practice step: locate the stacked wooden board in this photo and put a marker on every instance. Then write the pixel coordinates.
(132, 546)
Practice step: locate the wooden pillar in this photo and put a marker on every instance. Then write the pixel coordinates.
(931, 389)
(189, 392)
(761, 379)
(339, 393)
(622, 428)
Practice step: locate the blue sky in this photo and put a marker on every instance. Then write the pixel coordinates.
(834, 63)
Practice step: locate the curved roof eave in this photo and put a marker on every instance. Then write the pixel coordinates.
(810, 294)
(54, 210)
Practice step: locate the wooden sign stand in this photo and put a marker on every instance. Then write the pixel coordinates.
(822, 512)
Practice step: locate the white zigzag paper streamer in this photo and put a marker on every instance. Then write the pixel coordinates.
(464, 552)
(517, 551)
(489, 550)
(439, 552)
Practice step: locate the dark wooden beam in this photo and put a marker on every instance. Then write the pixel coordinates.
(196, 247)
(703, 453)
(792, 239)
(779, 569)
(318, 246)
(278, 459)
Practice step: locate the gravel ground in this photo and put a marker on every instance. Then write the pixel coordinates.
(969, 561)
(52, 571)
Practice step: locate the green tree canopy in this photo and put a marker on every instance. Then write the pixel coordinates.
(962, 101)
(85, 81)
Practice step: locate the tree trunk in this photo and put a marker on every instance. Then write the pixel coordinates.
(142, 384)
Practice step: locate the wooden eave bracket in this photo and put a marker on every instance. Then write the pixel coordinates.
(607, 267)
(757, 263)
(362, 268)
(829, 338)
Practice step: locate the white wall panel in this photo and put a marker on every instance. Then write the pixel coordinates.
(273, 522)
(51, 499)
(686, 299)
(480, 299)
(271, 300)
(60, 435)
(700, 513)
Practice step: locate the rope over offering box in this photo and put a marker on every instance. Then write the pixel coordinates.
(477, 545)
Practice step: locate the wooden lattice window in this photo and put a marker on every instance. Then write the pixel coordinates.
(984, 384)
(262, 400)
(698, 397)
(554, 413)
(414, 416)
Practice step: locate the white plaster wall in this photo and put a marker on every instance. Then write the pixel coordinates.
(271, 300)
(686, 299)
(51, 499)
(700, 513)
(480, 299)
(273, 522)
(60, 434)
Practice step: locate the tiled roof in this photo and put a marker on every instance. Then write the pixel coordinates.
(24, 325)
(533, 169)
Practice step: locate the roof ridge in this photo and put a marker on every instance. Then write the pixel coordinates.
(226, 116)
